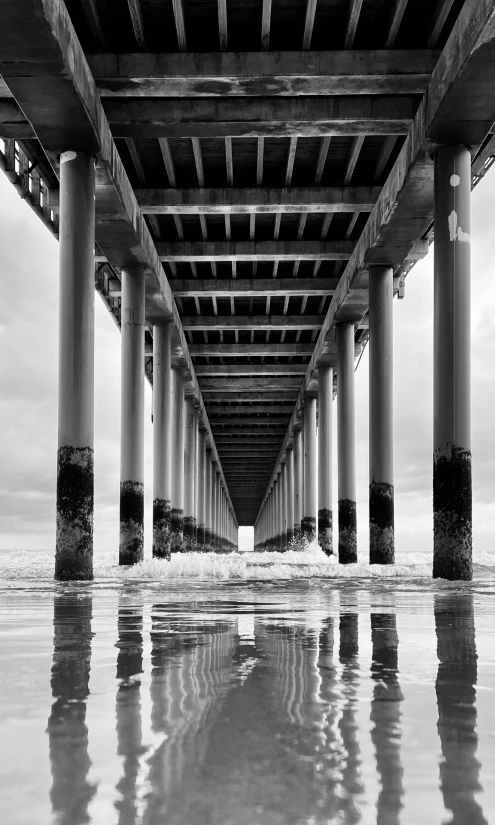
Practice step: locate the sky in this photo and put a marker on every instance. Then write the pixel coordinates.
(28, 394)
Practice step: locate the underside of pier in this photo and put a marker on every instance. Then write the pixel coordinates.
(257, 159)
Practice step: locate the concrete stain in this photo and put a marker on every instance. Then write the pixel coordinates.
(347, 531)
(75, 506)
(382, 541)
(325, 531)
(452, 515)
(161, 528)
(308, 528)
(131, 548)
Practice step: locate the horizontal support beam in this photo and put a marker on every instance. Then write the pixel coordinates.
(221, 394)
(250, 369)
(253, 425)
(260, 200)
(243, 439)
(276, 117)
(254, 288)
(248, 350)
(262, 74)
(245, 409)
(254, 251)
(248, 382)
(259, 322)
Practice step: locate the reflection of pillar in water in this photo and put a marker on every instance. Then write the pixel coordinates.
(386, 716)
(348, 655)
(189, 670)
(71, 792)
(456, 698)
(128, 709)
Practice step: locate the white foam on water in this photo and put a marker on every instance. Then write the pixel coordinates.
(307, 564)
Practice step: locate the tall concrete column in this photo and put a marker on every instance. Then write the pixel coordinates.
(283, 509)
(310, 511)
(200, 538)
(382, 546)
(162, 440)
(325, 396)
(298, 486)
(346, 444)
(208, 495)
(290, 497)
(177, 516)
(75, 473)
(214, 492)
(131, 548)
(217, 514)
(452, 482)
(189, 476)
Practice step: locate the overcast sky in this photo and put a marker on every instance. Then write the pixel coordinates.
(28, 396)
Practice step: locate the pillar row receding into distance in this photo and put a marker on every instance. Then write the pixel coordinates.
(75, 473)
(200, 534)
(290, 496)
(162, 440)
(310, 506)
(189, 475)
(131, 545)
(452, 481)
(177, 515)
(298, 486)
(325, 395)
(382, 547)
(346, 443)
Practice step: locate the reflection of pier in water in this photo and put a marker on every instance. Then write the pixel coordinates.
(71, 791)
(456, 698)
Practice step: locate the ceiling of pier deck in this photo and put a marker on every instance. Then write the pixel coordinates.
(256, 193)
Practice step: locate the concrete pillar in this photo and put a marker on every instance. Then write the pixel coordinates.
(310, 512)
(200, 537)
(214, 491)
(217, 514)
(283, 509)
(189, 476)
(177, 517)
(346, 444)
(382, 546)
(131, 547)
(452, 481)
(298, 486)
(162, 440)
(325, 396)
(208, 495)
(75, 474)
(290, 497)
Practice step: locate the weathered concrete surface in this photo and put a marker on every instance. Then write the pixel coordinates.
(258, 74)
(452, 516)
(131, 543)
(347, 532)
(382, 546)
(162, 532)
(75, 503)
(325, 531)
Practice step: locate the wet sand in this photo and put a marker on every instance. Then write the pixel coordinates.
(250, 701)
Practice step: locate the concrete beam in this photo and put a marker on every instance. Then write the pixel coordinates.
(259, 200)
(250, 369)
(254, 288)
(250, 383)
(259, 117)
(269, 74)
(259, 322)
(239, 251)
(250, 350)
(246, 409)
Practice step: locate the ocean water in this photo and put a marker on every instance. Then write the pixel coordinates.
(246, 690)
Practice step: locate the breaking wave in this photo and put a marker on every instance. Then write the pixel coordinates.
(312, 563)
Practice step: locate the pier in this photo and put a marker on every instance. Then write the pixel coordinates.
(247, 186)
